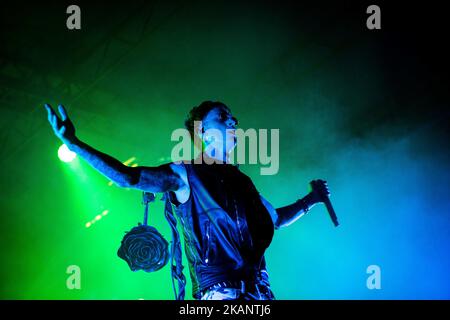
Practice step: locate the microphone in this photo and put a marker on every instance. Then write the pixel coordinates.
(315, 185)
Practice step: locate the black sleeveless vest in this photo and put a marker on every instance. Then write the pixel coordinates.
(226, 227)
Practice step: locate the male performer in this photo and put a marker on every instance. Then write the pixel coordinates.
(227, 224)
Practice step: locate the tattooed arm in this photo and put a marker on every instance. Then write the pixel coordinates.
(164, 178)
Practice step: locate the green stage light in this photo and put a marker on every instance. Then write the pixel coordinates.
(65, 154)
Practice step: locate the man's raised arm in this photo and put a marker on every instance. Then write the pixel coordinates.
(152, 179)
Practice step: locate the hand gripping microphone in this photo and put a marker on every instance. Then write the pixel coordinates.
(315, 185)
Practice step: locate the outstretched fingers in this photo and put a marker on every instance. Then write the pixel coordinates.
(62, 130)
(52, 117)
(63, 112)
(50, 112)
(55, 120)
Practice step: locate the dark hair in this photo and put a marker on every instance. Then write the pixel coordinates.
(199, 112)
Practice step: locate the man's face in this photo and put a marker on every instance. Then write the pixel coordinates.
(220, 119)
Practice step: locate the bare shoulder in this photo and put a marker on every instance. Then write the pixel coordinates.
(183, 192)
(179, 170)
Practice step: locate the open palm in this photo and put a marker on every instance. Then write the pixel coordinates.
(63, 127)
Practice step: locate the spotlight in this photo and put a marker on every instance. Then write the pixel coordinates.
(65, 154)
